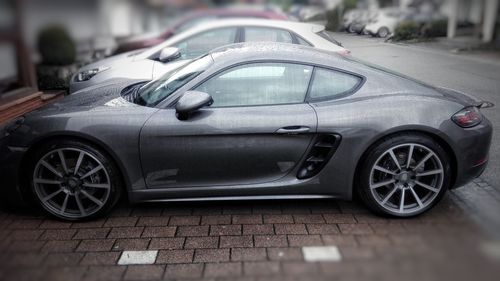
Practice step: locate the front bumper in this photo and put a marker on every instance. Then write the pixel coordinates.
(10, 168)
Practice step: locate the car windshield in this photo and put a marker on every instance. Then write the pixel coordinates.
(157, 90)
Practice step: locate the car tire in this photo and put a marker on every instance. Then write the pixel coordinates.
(350, 29)
(383, 32)
(74, 180)
(406, 188)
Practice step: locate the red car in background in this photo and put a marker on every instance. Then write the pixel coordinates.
(146, 41)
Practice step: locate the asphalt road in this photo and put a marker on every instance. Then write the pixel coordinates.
(478, 77)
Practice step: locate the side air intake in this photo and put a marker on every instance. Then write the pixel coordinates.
(323, 149)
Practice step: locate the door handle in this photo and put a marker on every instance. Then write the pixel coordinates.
(293, 130)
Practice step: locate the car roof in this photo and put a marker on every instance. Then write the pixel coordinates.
(249, 51)
(289, 25)
(238, 11)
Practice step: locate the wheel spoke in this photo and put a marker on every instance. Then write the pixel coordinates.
(380, 184)
(389, 195)
(78, 163)
(384, 170)
(51, 168)
(419, 202)
(80, 206)
(52, 195)
(430, 173)
(435, 190)
(63, 160)
(394, 159)
(92, 198)
(96, 185)
(402, 201)
(93, 171)
(410, 155)
(429, 155)
(45, 181)
(65, 203)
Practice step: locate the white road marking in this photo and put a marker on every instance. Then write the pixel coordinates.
(138, 257)
(322, 253)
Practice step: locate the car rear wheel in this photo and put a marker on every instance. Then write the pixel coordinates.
(74, 181)
(383, 32)
(404, 175)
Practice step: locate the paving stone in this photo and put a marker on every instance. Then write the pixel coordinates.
(63, 259)
(185, 220)
(25, 224)
(58, 234)
(60, 246)
(296, 268)
(247, 219)
(355, 228)
(53, 224)
(284, 254)
(308, 219)
(261, 268)
(25, 246)
(64, 273)
(126, 232)
(100, 258)
(104, 273)
(192, 230)
(166, 243)
(159, 231)
(304, 240)
(248, 254)
(144, 272)
(317, 228)
(339, 240)
(153, 221)
(216, 220)
(25, 234)
(202, 242)
(270, 241)
(373, 240)
(290, 229)
(236, 241)
(131, 244)
(356, 253)
(275, 219)
(258, 229)
(211, 255)
(175, 256)
(89, 224)
(219, 230)
(137, 257)
(226, 269)
(120, 221)
(96, 245)
(339, 218)
(92, 233)
(188, 271)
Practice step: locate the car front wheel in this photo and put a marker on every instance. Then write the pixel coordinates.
(404, 175)
(73, 180)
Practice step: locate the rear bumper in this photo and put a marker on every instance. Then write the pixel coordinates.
(10, 165)
(472, 151)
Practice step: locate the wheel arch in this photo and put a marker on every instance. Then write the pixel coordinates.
(432, 133)
(74, 136)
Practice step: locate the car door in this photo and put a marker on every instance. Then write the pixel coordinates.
(256, 131)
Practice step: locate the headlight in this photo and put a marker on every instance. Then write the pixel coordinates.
(468, 117)
(87, 74)
(11, 126)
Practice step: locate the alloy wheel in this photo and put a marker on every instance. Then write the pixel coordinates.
(71, 183)
(406, 178)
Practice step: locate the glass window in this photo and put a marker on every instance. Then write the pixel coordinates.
(260, 34)
(157, 90)
(259, 84)
(326, 35)
(201, 44)
(328, 83)
(302, 41)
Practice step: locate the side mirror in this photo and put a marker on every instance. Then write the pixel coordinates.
(190, 102)
(169, 54)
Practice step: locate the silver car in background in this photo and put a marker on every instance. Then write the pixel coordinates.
(154, 62)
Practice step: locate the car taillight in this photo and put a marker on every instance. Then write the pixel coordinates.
(468, 117)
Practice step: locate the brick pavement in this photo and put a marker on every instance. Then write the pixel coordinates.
(249, 240)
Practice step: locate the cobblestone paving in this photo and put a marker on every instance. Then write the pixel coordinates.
(250, 240)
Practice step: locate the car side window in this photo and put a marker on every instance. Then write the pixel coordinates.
(260, 34)
(302, 41)
(259, 84)
(330, 84)
(202, 43)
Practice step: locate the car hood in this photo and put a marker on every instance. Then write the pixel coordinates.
(113, 60)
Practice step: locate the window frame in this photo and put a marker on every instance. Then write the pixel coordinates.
(294, 35)
(351, 91)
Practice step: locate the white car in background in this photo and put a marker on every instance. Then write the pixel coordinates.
(151, 63)
(385, 21)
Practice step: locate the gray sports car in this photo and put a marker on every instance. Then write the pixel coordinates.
(249, 121)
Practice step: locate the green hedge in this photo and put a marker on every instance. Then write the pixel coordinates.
(56, 46)
(407, 30)
(410, 30)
